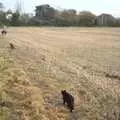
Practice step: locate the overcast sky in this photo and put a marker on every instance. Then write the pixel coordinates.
(95, 6)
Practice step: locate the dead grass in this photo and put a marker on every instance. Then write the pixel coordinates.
(47, 60)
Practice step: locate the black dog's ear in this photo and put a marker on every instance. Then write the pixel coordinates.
(64, 90)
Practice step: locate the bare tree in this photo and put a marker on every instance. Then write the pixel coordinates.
(18, 6)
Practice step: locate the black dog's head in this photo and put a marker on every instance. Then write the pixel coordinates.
(63, 92)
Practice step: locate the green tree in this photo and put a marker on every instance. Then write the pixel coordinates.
(66, 17)
(117, 23)
(2, 15)
(86, 18)
(25, 19)
(15, 21)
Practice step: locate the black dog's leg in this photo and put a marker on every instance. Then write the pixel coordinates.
(63, 101)
(71, 110)
(71, 107)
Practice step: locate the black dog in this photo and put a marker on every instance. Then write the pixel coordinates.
(67, 98)
(3, 32)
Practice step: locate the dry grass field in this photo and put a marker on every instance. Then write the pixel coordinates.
(84, 61)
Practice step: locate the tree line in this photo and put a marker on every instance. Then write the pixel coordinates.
(49, 16)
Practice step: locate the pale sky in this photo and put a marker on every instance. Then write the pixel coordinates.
(95, 6)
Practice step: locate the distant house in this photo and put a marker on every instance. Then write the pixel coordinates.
(44, 12)
(105, 20)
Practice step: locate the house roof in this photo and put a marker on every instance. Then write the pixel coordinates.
(44, 5)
